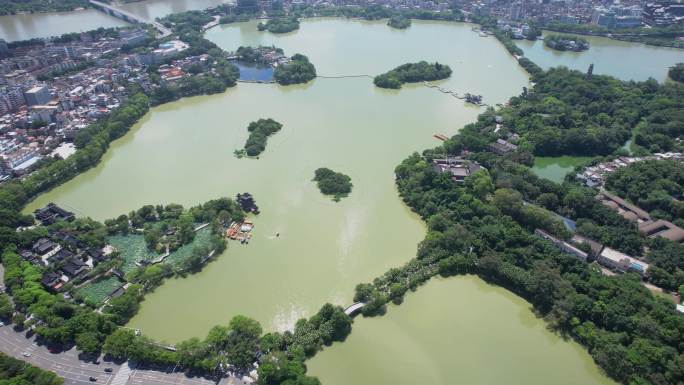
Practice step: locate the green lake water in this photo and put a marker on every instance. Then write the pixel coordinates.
(556, 167)
(183, 152)
(28, 26)
(456, 331)
(624, 60)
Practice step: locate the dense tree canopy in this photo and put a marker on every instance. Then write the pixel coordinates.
(412, 73)
(299, 70)
(16, 372)
(333, 183)
(399, 22)
(568, 112)
(259, 132)
(279, 25)
(676, 72)
(566, 42)
(11, 7)
(488, 233)
(655, 185)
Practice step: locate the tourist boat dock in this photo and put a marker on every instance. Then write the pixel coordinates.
(240, 231)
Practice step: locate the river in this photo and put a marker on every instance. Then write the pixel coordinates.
(456, 331)
(624, 60)
(28, 26)
(183, 152)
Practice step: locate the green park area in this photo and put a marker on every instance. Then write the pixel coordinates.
(97, 291)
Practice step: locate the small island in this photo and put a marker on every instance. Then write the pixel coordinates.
(280, 25)
(676, 72)
(566, 43)
(262, 55)
(399, 22)
(333, 183)
(259, 133)
(412, 73)
(297, 70)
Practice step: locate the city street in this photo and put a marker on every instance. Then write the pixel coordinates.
(66, 364)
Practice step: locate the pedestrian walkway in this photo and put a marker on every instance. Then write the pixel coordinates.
(122, 375)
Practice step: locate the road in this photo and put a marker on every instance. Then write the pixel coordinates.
(77, 372)
(66, 364)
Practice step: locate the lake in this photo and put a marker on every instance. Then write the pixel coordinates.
(183, 152)
(555, 168)
(458, 330)
(624, 60)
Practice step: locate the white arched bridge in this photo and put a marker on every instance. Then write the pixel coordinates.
(354, 308)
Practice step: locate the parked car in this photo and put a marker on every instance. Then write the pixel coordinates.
(2, 324)
(108, 370)
(26, 354)
(92, 379)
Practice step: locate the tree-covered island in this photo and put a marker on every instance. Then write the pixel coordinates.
(260, 55)
(298, 70)
(333, 183)
(259, 132)
(412, 73)
(399, 22)
(676, 72)
(566, 43)
(279, 25)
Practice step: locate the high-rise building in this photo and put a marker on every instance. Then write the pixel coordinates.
(4, 49)
(12, 98)
(247, 6)
(663, 13)
(516, 11)
(38, 95)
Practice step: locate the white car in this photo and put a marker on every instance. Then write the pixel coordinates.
(26, 354)
(2, 324)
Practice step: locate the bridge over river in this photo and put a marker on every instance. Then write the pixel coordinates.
(128, 17)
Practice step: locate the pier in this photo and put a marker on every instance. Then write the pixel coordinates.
(467, 97)
(344, 76)
(256, 81)
(128, 17)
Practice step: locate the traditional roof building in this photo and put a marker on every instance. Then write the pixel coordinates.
(458, 167)
(662, 228)
(52, 213)
(502, 147)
